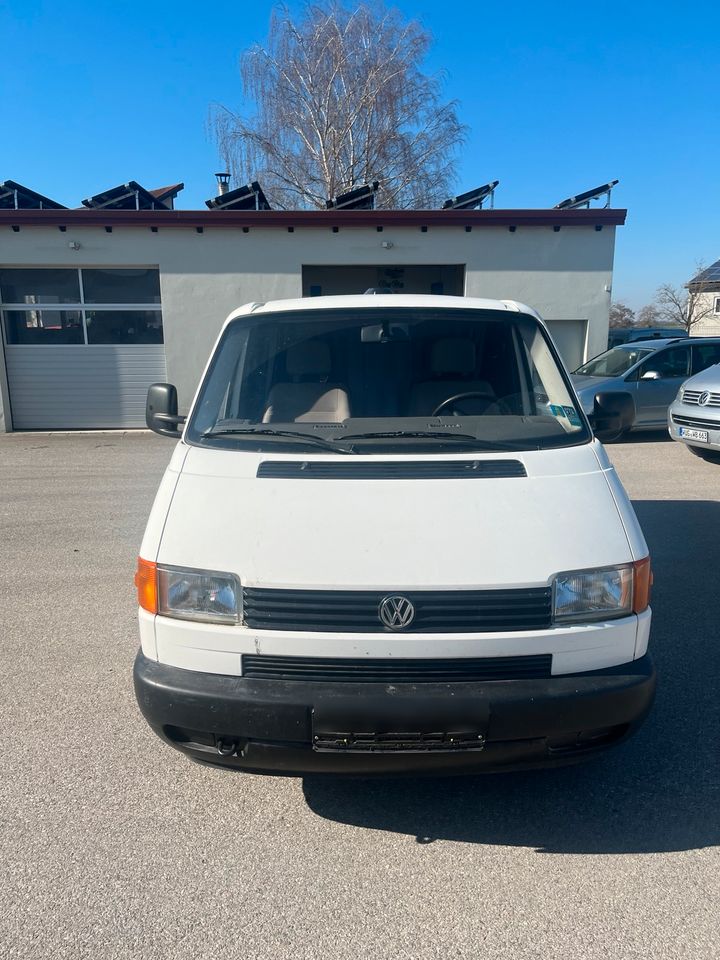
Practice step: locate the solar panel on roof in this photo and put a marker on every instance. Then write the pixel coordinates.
(583, 199)
(710, 275)
(249, 197)
(473, 198)
(126, 196)
(360, 198)
(14, 196)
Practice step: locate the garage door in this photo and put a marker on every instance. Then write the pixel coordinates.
(81, 345)
(570, 337)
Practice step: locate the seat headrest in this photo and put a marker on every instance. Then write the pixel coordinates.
(453, 355)
(309, 358)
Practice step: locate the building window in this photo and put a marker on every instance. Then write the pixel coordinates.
(717, 304)
(39, 286)
(85, 306)
(43, 326)
(124, 326)
(121, 286)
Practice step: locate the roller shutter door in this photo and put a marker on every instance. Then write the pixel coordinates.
(81, 387)
(82, 345)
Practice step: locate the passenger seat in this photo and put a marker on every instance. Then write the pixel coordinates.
(308, 397)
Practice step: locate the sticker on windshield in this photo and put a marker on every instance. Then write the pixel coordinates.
(568, 414)
(572, 415)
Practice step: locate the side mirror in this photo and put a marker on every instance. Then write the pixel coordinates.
(161, 410)
(613, 414)
(651, 375)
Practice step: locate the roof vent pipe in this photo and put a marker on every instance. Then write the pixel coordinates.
(223, 180)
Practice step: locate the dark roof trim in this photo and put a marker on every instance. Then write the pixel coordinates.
(315, 218)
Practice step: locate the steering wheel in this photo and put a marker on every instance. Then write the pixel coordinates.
(470, 394)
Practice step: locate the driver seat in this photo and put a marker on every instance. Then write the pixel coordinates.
(452, 364)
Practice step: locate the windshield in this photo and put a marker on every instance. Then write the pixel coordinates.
(613, 363)
(359, 380)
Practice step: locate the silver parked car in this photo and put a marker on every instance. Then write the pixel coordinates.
(694, 417)
(650, 371)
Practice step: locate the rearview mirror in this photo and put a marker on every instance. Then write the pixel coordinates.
(651, 375)
(613, 414)
(161, 410)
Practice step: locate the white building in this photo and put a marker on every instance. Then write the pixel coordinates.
(706, 285)
(98, 303)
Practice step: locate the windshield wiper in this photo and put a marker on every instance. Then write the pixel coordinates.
(465, 439)
(270, 432)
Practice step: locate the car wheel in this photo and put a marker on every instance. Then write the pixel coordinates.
(712, 456)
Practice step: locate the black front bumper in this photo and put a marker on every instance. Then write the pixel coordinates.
(297, 727)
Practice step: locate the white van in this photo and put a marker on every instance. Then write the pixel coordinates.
(388, 542)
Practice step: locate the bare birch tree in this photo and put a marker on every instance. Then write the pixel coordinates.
(340, 100)
(690, 304)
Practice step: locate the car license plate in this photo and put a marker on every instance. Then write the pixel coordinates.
(687, 433)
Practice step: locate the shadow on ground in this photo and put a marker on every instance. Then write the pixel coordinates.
(658, 792)
(643, 436)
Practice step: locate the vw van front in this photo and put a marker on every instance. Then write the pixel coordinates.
(387, 543)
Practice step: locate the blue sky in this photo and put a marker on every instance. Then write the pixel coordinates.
(558, 97)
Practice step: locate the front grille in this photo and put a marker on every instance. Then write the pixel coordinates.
(390, 470)
(693, 396)
(696, 422)
(436, 611)
(392, 670)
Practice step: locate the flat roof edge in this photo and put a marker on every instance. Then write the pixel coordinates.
(314, 218)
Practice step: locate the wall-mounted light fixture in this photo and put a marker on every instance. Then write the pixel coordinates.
(387, 244)
(74, 244)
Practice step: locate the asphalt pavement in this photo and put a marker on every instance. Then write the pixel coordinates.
(112, 845)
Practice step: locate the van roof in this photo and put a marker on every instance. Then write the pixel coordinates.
(374, 301)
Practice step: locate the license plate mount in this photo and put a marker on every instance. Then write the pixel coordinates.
(400, 725)
(398, 742)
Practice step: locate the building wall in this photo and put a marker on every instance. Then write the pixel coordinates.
(566, 275)
(709, 326)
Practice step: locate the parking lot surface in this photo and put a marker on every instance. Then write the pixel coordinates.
(114, 846)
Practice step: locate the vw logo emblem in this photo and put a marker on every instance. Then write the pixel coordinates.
(703, 398)
(396, 612)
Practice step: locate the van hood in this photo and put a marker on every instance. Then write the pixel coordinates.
(396, 534)
(706, 380)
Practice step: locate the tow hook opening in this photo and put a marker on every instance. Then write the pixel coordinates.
(227, 747)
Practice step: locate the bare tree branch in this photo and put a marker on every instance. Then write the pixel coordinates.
(621, 315)
(687, 305)
(340, 100)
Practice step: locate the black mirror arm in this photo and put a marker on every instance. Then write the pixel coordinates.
(171, 419)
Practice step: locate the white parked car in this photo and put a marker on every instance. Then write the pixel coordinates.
(694, 415)
(388, 542)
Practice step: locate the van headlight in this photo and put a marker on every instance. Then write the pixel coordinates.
(198, 595)
(585, 595)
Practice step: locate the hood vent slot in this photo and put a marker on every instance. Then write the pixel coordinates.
(390, 470)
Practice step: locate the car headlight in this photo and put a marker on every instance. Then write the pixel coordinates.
(198, 595)
(585, 595)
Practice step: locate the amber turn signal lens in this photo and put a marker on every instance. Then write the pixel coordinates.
(146, 583)
(642, 582)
